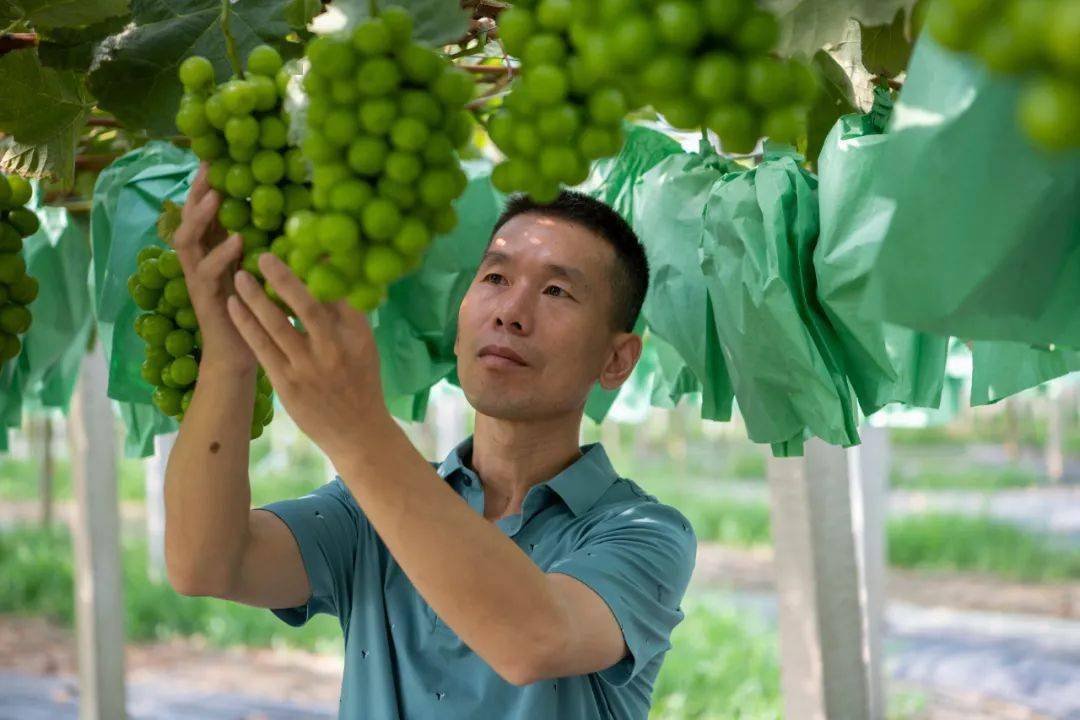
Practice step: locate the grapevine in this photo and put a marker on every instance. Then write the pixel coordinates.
(17, 289)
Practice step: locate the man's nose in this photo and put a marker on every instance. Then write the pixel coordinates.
(515, 313)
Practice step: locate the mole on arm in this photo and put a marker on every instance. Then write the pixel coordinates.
(215, 446)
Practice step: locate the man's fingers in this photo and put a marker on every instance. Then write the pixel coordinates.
(219, 260)
(273, 321)
(200, 184)
(190, 236)
(266, 350)
(311, 312)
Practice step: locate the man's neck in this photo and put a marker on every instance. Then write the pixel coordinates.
(511, 457)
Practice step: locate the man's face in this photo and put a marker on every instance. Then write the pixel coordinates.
(543, 293)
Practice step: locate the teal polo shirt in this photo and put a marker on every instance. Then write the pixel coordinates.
(401, 660)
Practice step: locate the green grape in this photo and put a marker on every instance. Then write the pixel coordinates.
(14, 319)
(179, 342)
(412, 238)
(403, 167)
(233, 214)
(717, 78)
(155, 329)
(207, 147)
(242, 131)
(191, 118)
(759, 32)
(238, 96)
(267, 200)
(377, 115)
(723, 16)
(196, 74)
(383, 265)
(176, 293)
(680, 24)
(264, 60)
(273, 133)
(24, 221)
(217, 173)
(735, 126)
(297, 197)
(1063, 37)
(338, 233)
(167, 400)
(268, 167)
(20, 190)
(367, 155)
(1049, 111)
(168, 264)
(516, 26)
(239, 180)
(543, 49)
(378, 76)
(253, 237)
(372, 38)
(381, 219)
(326, 284)
(419, 64)
(266, 96)
(186, 318)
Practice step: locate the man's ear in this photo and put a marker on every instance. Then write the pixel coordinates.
(624, 354)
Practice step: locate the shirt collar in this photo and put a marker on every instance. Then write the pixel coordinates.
(580, 485)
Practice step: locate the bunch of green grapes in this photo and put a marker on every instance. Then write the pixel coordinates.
(560, 113)
(170, 330)
(384, 119)
(17, 289)
(241, 128)
(700, 63)
(1038, 39)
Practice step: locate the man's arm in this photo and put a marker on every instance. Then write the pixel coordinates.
(214, 543)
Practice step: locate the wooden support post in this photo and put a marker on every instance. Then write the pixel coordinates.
(824, 672)
(42, 442)
(869, 465)
(155, 504)
(99, 606)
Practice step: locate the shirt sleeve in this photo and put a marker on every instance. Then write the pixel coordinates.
(329, 528)
(639, 561)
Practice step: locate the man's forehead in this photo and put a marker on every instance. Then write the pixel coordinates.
(551, 240)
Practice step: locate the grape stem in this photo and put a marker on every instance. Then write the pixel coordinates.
(230, 42)
(373, 7)
(490, 69)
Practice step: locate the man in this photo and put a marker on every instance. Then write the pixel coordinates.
(520, 578)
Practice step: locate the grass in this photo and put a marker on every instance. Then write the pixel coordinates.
(37, 571)
(1031, 431)
(937, 541)
(967, 478)
(954, 542)
(302, 469)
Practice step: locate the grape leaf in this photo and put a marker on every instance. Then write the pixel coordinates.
(435, 22)
(43, 111)
(73, 48)
(886, 48)
(837, 97)
(809, 25)
(47, 14)
(135, 78)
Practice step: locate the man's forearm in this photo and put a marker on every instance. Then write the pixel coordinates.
(207, 493)
(474, 577)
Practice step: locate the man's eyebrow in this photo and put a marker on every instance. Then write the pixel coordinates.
(572, 274)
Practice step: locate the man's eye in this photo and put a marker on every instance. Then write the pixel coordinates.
(489, 276)
(560, 290)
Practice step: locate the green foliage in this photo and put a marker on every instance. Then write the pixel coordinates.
(886, 49)
(37, 571)
(50, 14)
(836, 98)
(720, 667)
(44, 111)
(956, 542)
(806, 26)
(967, 478)
(136, 78)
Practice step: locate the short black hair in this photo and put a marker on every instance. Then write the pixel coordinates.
(630, 282)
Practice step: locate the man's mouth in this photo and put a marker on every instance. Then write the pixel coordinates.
(502, 355)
